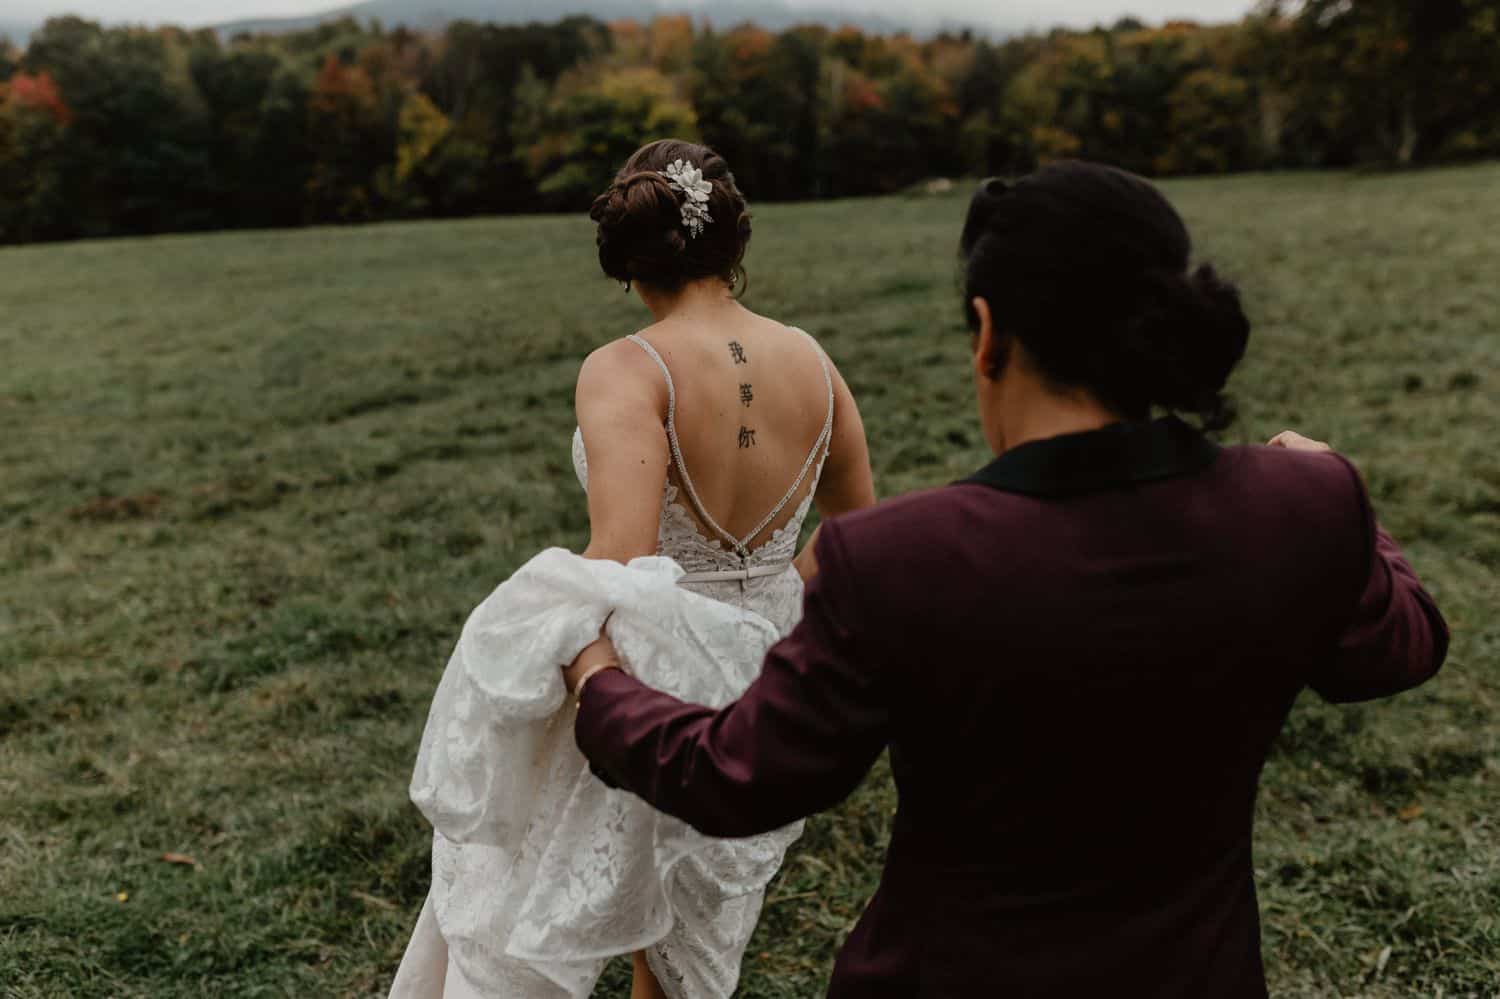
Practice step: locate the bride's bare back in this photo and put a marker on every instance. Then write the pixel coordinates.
(752, 400)
(754, 405)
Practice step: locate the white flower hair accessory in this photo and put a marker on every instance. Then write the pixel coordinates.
(688, 181)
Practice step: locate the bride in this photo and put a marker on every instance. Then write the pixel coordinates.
(705, 438)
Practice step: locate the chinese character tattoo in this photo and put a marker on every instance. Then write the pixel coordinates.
(747, 393)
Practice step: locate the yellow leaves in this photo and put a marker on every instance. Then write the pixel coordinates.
(1054, 143)
(420, 126)
(635, 82)
(670, 41)
(653, 96)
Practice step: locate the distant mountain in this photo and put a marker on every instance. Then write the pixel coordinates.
(434, 14)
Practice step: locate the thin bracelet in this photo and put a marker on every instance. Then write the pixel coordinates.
(593, 672)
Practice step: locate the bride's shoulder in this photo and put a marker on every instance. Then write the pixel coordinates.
(801, 335)
(620, 370)
(622, 358)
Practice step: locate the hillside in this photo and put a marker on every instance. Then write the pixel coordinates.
(261, 477)
(429, 14)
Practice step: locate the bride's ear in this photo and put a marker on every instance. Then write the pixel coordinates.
(989, 347)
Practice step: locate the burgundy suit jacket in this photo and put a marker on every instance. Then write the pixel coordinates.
(1079, 659)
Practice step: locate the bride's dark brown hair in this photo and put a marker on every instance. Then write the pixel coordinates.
(641, 236)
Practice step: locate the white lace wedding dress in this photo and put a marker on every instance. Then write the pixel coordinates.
(540, 872)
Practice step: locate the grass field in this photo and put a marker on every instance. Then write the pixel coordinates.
(251, 484)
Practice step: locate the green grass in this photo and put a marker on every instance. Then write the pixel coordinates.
(253, 483)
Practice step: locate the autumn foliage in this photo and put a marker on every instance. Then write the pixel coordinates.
(106, 130)
(37, 93)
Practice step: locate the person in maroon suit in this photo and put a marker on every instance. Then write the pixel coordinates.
(1078, 657)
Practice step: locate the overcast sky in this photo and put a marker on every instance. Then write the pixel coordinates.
(1006, 13)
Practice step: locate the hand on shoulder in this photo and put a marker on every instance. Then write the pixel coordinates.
(1293, 441)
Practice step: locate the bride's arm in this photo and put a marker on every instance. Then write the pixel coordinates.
(847, 482)
(622, 403)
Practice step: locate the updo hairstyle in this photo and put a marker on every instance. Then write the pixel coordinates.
(1088, 267)
(641, 234)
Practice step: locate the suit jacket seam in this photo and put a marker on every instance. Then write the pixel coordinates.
(1370, 549)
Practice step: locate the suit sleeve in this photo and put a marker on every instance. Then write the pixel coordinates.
(798, 741)
(1397, 638)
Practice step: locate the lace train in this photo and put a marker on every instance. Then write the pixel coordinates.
(540, 872)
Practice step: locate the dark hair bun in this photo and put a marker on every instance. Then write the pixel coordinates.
(1181, 341)
(641, 235)
(1087, 266)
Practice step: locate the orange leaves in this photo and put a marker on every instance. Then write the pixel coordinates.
(860, 94)
(671, 41)
(340, 86)
(749, 44)
(39, 93)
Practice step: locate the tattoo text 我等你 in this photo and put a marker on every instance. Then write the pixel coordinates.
(737, 353)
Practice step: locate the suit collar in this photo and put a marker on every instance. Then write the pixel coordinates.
(1122, 454)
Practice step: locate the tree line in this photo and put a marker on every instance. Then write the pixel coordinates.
(107, 131)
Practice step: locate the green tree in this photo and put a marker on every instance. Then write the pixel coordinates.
(257, 167)
(125, 130)
(1387, 80)
(133, 157)
(756, 98)
(593, 125)
(473, 77)
(884, 133)
(33, 122)
(1210, 124)
(993, 139)
(346, 135)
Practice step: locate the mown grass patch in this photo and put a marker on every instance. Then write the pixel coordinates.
(254, 482)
